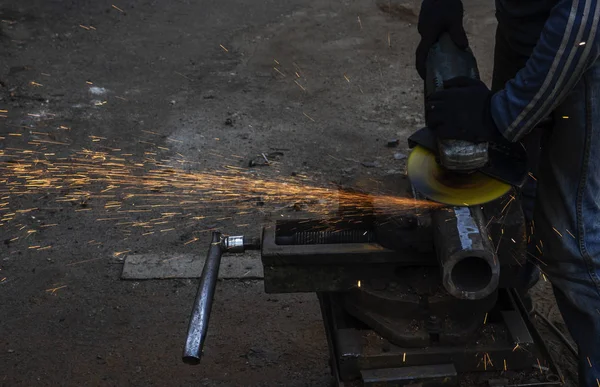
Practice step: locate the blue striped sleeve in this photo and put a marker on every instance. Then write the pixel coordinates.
(569, 43)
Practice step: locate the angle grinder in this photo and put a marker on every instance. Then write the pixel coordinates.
(457, 172)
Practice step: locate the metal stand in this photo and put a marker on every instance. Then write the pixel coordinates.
(505, 346)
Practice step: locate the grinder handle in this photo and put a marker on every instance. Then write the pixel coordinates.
(446, 61)
(198, 327)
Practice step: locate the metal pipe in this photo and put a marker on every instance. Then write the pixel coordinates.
(470, 268)
(198, 327)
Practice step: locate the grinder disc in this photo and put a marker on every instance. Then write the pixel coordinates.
(457, 189)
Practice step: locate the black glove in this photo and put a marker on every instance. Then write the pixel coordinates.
(435, 18)
(462, 112)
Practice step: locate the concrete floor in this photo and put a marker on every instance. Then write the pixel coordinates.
(318, 86)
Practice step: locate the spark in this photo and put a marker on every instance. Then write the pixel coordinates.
(589, 361)
(117, 8)
(358, 284)
(505, 367)
(89, 83)
(32, 83)
(119, 253)
(178, 73)
(84, 261)
(569, 232)
(299, 85)
(346, 78)
(539, 365)
(223, 47)
(116, 186)
(506, 206)
(309, 117)
(531, 175)
(359, 22)
(556, 231)
(485, 319)
(54, 290)
(276, 69)
(404, 358)
(84, 27)
(565, 117)
(190, 241)
(582, 43)
(544, 277)
(275, 60)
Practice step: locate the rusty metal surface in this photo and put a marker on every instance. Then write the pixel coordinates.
(417, 312)
(357, 348)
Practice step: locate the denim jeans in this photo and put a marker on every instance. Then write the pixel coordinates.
(567, 217)
(566, 209)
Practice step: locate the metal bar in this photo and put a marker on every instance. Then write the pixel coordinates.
(326, 313)
(198, 327)
(426, 376)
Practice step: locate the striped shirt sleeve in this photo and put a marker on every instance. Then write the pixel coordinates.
(569, 43)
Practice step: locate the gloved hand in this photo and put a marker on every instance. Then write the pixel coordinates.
(462, 112)
(435, 18)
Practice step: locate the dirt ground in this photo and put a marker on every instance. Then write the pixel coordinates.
(319, 87)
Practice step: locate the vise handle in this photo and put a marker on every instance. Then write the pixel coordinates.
(198, 327)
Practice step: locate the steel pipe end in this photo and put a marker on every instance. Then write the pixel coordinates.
(191, 360)
(471, 277)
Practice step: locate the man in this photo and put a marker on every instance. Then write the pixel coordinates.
(547, 65)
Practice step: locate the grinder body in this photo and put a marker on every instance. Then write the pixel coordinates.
(444, 62)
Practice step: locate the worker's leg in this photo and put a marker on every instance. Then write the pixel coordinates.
(510, 55)
(567, 217)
